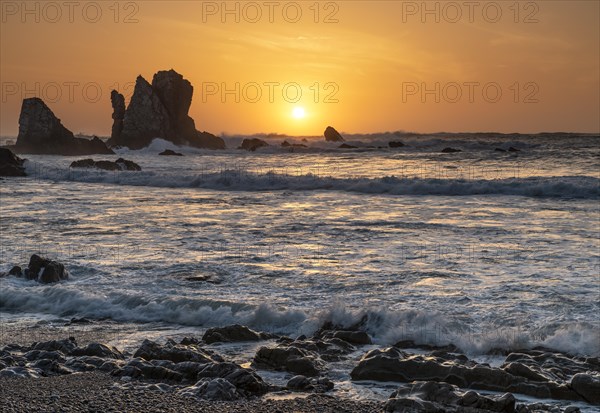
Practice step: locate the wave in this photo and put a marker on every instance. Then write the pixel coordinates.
(385, 326)
(241, 180)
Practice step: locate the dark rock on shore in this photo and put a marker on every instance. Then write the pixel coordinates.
(252, 144)
(450, 150)
(11, 164)
(443, 397)
(305, 384)
(392, 364)
(331, 135)
(346, 146)
(512, 149)
(395, 144)
(169, 152)
(40, 269)
(40, 132)
(587, 386)
(233, 333)
(159, 110)
(246, 381)
(118, 165)
(149, 350)
(293, 359)
(499, 150)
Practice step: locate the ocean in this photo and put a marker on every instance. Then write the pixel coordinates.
(484, 249)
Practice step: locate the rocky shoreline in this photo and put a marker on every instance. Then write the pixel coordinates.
(189, 374)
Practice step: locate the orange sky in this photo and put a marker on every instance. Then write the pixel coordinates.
(373, 58)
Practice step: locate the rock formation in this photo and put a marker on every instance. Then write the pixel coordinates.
(158, 110)
(169, 152)
(11, 164)
(40, 132)
(450, 150)
(41, 269)
(118, 165)
(252, 144)
(331, 135)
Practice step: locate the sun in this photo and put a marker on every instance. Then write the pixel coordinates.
(298, 112)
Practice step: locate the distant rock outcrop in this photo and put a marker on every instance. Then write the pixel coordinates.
(252, 144)
(395, 144)
(169, 152)
(40, 132)
(346, 146)
(11, 164)
(118, 165)
(450, 150)
(331, 135)
(158, 110)
(42, 270)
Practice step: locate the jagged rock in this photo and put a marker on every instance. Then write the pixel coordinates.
(252, 144)
(246, 381)
(331, 135)
(395, 144)
(150, 350)
(16, 271)
(25, 372)
(169, 152)
(98, 350)
(216, 390)
(346, 146)
(392, 364)
(305, 384)
(11, 164)
(45, 354)
(450, 150)
(44, 270)
(354, 337)
(443, 397)
(289, 358)
(160, 110)
(587, 386)
(65, 346)
(118, 165)
(40, 132)
(118, 104)
(232, 333)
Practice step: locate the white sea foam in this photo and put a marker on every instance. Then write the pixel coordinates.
(385, 326)
(240, 180)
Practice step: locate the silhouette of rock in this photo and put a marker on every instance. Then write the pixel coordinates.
(11, 164)
(331, 135)
(346, 146)
(395, 144)
(40, 132)
(44, 270)
(252, 144)
(159, 110)
(512, 149)
(450, 150)
(118, 165)
(499, 150)
(169, 152)
(118, 104)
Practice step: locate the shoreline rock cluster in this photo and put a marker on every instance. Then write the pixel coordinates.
(40, 269)
(441, 381)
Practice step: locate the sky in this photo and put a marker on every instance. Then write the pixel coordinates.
(297, 67)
